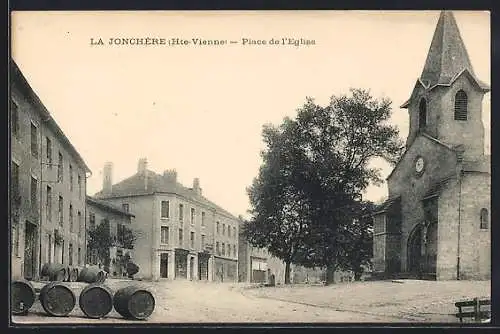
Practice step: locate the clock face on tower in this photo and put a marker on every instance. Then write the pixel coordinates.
(419, 165)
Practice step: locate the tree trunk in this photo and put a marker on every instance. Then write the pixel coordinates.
(287, 272)
(330, 270)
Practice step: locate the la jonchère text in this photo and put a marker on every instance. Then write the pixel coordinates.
(176, 41)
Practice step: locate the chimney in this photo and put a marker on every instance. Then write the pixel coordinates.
(142, 166)
(196, 186)
(170, 175)
(107, 179)
(142, 170)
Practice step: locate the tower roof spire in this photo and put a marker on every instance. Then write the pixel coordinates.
(447, 55)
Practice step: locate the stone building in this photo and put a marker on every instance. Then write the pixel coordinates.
(435, 223)
(119, 220)
(255, 265)
(48, 179)
(181, 233)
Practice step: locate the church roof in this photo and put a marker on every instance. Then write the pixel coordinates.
(447, 58)
(437, 187)
(386, 205)
(149, 183)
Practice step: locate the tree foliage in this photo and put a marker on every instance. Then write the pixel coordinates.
(100, 240)
(306, 195)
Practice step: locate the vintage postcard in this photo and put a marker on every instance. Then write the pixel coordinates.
(250, 166)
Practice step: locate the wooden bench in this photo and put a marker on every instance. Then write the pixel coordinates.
(473, 309)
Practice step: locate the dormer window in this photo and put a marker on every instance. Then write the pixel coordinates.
(422, 114)
(461, 106)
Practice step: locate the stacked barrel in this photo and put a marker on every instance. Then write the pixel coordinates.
(96, 300)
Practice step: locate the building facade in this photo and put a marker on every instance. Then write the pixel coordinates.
(435, 223)
(119, 220)
(181, 234)
(255, 265)
(48, 181)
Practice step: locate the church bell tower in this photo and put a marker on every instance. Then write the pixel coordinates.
(446, 102)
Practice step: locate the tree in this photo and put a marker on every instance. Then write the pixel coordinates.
(359, 240)
(278, 204)
(100, 240)
(313, 170)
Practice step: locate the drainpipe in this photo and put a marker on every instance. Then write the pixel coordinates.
(459, 220)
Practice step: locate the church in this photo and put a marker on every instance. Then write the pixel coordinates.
(435, 223)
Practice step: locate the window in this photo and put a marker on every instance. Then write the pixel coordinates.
(70, 255)
(223, 229)
(203, 218)
(181, 212)
(62, 252)
(71, 177)
(61, 211)
(48, 144)
(228, 250)
(223, 249)
(229, 231)
(192, 216)
(234, 232)
(34, 140)
(484, 219)
(217, 248)
(79, 186)
(79, 256)
(461, 106)
(218, 229)
(164, 235)
(60, 168)
(71, 218)
(180, 237)
(125, 207)
(422, 114)
(202, 241)
(49, 203)
(234, 250)
(14, 179)
(80, 227)
(165, 209)
(92, 220)
(192, 239)
(14, 120)
(34, 197)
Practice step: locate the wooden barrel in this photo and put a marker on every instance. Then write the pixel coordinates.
(67, 273)
(57, 299)
(23, 295)
(90, 274)
(73, 274)
(55, 271)
(133, 302)
(96, 300)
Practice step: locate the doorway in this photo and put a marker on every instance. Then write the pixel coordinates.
(191, 268)
(29, 250)
(415, 250)
(164, 265)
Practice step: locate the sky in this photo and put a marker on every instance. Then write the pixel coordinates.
(200, 109)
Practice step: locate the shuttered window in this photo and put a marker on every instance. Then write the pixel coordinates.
(461, 106)
(422, 114)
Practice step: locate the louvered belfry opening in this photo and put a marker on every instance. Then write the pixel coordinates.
(422, 114)
(461, 106)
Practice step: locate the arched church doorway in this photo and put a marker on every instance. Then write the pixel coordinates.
(415, 249)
